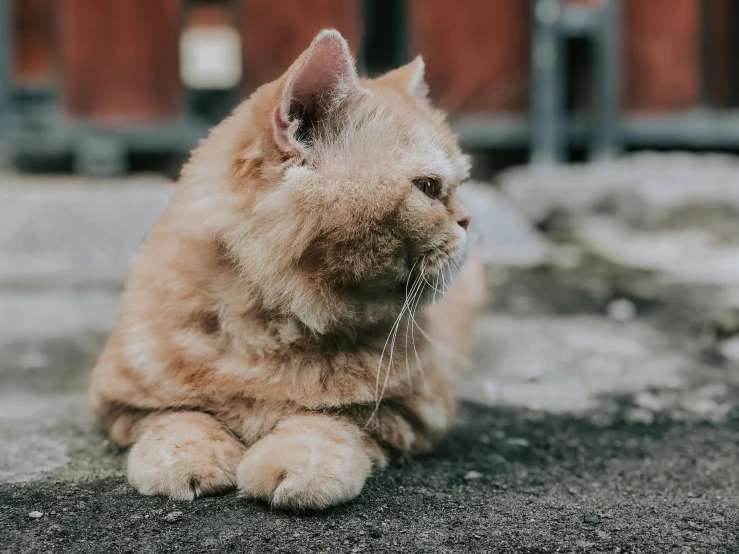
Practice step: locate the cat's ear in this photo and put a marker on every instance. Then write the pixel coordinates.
(320, 79)
(409, 78)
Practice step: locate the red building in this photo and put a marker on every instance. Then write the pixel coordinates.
(123, 63)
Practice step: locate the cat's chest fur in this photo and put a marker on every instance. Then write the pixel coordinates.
(253, 357)
(271, 358)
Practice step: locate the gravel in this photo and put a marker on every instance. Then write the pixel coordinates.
(171, 517)
(639, 476)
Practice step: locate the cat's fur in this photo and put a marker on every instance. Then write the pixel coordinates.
(260, 343)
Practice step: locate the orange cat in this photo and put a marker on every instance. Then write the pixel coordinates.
(278, 332)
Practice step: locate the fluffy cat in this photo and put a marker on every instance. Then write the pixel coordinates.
(278, 331)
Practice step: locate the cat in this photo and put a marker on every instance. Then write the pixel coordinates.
(279, 332)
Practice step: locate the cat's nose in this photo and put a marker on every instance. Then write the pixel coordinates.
(464, 222)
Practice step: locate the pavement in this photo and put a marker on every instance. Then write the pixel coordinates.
(601, 415)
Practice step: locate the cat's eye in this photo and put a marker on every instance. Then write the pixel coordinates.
(427, 185)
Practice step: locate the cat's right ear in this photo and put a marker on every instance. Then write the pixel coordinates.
(321, 78)
(409, 79)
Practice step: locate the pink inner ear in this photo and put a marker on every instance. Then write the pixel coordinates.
(285, 131)
(325, 76)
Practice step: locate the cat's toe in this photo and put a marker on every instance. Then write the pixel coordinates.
(306, 470)
(184, 468)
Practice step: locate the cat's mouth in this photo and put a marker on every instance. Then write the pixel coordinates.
(432, 272)
(442, 263)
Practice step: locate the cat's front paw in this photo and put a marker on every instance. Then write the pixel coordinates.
(183, 455)
(307, 462)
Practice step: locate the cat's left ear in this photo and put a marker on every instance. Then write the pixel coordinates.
(409, 78)
(316, 84)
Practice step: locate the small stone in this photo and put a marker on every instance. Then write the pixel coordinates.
(173, 516)
(640, 415)
(35, 515)
(726, 322)
(520, 442)
(649, 401)
(592, 519)
(621, 310)
(567, 256)
(471, 475)
(729, 349)
(691, 495)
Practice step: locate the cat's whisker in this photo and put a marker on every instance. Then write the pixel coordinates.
(442, 349)
(384, 348)
(393, 329)
(436, 290)
(437, 284)
(442, 274)
(409, 326)
(432, 342)
(391, 361)
(415, 324)
(407, 365)
(408, 303)
(393, 333)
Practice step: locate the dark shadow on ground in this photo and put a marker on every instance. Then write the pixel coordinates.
(543, 483)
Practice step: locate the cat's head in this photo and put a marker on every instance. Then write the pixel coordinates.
(341, 191)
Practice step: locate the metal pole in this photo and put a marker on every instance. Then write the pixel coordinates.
(386, 22)
(547, 121)
(607, 69)
(6, 50)
(402, 42)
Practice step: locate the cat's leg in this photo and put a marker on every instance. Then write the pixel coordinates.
(308, 461)
(183, 455)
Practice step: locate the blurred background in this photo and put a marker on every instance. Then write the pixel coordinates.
(105, 88)
(605, 200)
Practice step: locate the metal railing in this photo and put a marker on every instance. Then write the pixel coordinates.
(548, 130)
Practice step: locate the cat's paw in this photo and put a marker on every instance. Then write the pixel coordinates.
(307, 462)
(184, 455)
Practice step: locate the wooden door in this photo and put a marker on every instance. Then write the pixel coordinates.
(662, 54)
(34, 61)
(275, 33)
(120, 59)
(476, 53)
